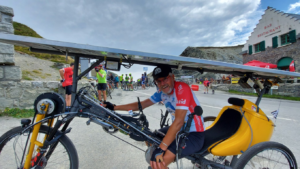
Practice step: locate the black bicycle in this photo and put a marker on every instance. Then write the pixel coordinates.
(38, 143)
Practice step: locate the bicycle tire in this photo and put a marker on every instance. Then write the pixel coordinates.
(147, 86)
(135, 87)
(261, 151)
(8, 152)
(108, 93)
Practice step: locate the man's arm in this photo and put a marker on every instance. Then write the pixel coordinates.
(174, 128)
(100, 74)
(61, 72)
(134, 106)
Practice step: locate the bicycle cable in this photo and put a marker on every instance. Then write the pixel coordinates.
(128, 142)
(129, 62)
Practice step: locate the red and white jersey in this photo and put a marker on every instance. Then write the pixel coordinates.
(182, 98)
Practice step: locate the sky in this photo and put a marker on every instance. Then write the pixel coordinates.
(166, 26)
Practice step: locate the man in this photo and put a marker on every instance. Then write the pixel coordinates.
(116, 82)
(206, 85)
(146, 79)
(131, 81)
(126, 82)
(101, 76)
(143, 81)
(180, 101)
(66, 75)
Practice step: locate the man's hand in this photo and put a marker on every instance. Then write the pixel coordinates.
(61, 81)
(157, 158)
(109, 105)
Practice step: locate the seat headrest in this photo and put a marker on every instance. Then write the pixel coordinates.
(236, 101)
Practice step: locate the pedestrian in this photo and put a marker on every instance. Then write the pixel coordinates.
(143, 81)
(117, 82)
(66, 75)
(206, 85)
(101, 76)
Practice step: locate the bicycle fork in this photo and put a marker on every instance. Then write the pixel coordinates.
(33, 141)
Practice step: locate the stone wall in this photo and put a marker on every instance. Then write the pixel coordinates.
(283, 89)
(272, 55)
(8, 72)
(22, 94)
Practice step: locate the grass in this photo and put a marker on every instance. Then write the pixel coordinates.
(26, 75)
(21, 29)
(267, 95)
(17, 113)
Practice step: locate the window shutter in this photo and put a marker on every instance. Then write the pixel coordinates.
(292, 36)
(262, 46)
(275, 42)
(250, 50)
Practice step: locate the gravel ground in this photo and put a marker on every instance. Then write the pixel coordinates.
(39, 69)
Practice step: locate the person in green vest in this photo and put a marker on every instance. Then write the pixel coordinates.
(139, 82)
(101, 76)
(126, 81)
(121, 78)
(131, 81)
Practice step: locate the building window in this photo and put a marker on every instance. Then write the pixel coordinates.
(256, 48)
(285, 39)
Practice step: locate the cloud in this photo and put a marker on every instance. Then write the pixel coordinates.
(295, 7)
(166, 27)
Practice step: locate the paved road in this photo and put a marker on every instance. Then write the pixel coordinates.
(98, 149)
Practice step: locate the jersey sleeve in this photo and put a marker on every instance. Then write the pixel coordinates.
(183, 95)
(156, 97)
(67, 70)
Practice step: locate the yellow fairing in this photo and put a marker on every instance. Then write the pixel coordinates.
(262, 128)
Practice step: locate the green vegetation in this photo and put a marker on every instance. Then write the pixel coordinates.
(24, 30)
(27, 75)
(17, 113)
(266, 95)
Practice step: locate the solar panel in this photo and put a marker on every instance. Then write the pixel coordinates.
(114, 54)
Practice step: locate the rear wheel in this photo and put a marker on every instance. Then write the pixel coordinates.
(13, 144)
(135, 86)
(267, 155)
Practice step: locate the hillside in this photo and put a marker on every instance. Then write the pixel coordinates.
(21, 29)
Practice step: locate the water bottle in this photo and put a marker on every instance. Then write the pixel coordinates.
(130, 112)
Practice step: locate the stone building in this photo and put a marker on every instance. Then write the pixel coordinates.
(275, 40)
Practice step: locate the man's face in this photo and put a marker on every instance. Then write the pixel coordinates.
(165, 84)
(72, 67)
(100, 67)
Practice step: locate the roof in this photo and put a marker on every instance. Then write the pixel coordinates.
(122, 55)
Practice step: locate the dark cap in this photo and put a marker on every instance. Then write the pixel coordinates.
(161, 71)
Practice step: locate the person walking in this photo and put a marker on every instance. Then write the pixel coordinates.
(101, 76)
(66, 75)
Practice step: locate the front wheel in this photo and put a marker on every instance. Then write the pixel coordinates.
(267, 155)
(13, 145)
